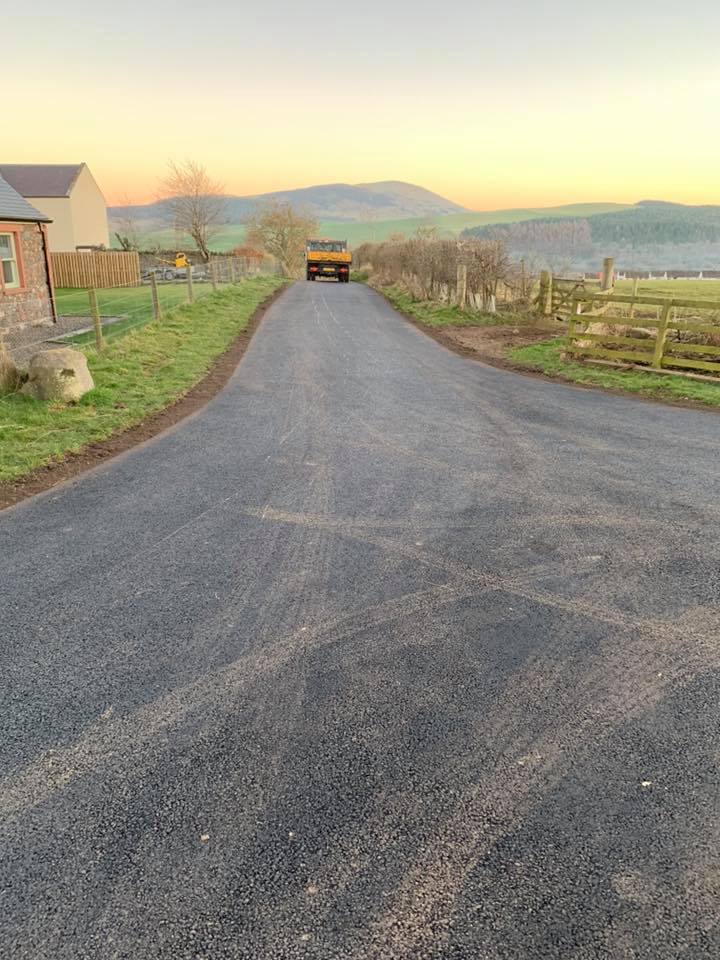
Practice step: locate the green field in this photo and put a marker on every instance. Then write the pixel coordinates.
(134, 376)
(356, 233)
(132, 304)
(686, 289)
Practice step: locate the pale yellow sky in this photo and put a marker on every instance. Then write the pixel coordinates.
(492, 105)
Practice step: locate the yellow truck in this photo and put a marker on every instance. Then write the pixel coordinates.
(327, 258)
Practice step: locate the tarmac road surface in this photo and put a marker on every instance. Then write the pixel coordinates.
(383, 654)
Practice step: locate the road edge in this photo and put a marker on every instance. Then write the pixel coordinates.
(510, 366)
(92, 455)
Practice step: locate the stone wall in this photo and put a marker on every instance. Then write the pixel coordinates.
(31, 306)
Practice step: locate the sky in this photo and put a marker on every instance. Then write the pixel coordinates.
(491, 104)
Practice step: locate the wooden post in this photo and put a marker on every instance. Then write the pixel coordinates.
(213, 275)
(574, 311)
(636, 281)
(545, 296)
(607, 281)
(661, 336)
(462, 285)
(95, 314)
(157, 312)
(232, 270)
(189, 283)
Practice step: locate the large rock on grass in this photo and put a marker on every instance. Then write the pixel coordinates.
(9, 376)
(61, 374)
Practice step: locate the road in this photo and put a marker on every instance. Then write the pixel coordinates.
(383, 654)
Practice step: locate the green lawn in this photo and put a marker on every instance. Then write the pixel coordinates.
(135, 375)
(546, 357)
(133, 304)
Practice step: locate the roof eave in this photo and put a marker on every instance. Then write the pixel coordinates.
(5, 218)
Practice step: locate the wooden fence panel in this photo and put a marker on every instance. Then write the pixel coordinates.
(100, 269)
(664, 347)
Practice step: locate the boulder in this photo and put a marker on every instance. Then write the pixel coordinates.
(9, 375)
(58, 374)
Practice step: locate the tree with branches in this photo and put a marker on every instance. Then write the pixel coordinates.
(281, 231)
(195, 203)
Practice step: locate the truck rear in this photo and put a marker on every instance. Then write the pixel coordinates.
(327, 258)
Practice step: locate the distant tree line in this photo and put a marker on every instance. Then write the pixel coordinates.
(652, 234)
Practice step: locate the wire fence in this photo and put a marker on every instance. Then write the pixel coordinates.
(89, 316)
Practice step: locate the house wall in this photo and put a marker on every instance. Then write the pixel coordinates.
(31, 305)
(78, 220)
(61, 232)
(89, 212)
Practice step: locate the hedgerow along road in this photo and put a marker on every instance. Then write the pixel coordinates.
(385, 653)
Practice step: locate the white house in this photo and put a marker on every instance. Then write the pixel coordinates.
(68, 195)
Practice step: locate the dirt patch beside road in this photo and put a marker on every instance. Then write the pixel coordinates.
(487, 343)
(492, 343)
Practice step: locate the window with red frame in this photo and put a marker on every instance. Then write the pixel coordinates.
(10, 273)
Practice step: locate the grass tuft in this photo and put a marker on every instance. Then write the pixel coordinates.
(434, 314)
(546, 356)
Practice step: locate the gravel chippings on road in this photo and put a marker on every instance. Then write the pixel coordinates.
(383, 654)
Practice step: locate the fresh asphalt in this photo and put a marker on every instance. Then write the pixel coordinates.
(383, 654)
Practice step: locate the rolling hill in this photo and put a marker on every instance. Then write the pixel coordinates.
(341, 202)
(360, 213)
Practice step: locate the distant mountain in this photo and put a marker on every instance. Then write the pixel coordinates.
(388, 200)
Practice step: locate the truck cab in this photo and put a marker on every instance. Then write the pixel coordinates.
(327, 258)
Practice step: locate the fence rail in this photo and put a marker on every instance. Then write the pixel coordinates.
(664, 342)
(108, 268)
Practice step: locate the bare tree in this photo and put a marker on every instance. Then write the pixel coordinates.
(196, 204)
(281, 231)
(127, 232)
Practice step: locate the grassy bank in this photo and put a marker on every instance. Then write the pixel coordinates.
(136, 375)
(546, 356)
(434, 314)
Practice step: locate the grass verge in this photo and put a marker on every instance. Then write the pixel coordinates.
(546, 357)
(434, 314)
(143, 372)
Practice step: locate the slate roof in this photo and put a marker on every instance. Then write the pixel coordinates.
(41, 179)
(15, 207)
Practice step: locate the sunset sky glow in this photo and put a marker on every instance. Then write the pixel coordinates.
(494, 104)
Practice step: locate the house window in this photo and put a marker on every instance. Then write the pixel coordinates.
(9, 266)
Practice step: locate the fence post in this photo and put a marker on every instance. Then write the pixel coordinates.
(189, 283)
(462, 285)
(575, 308)
(661, 336)
(232, 269)
(95, 313)
(545, 295)
(213, 275)
(636, 281)
(607, 274)
(157, 313)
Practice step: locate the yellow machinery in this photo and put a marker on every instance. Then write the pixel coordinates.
(327, 258)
